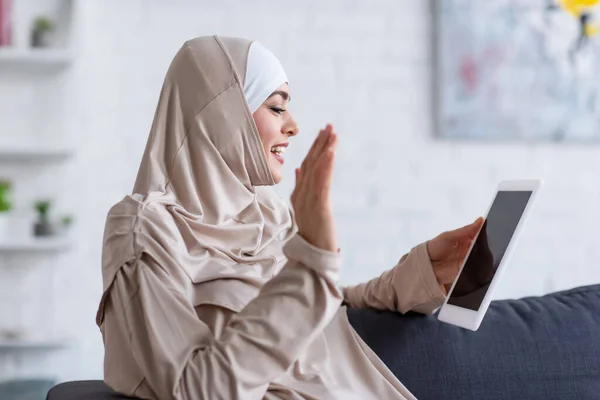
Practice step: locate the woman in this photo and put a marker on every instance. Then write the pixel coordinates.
(213, 287)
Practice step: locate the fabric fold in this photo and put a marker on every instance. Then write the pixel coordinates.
(327, 263)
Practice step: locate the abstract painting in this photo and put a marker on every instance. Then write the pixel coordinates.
(518, 69)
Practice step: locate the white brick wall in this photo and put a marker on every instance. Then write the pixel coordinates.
(365, 66)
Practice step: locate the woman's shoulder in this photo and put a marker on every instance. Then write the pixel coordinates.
(138, 210)
(141, 223)
(138, 205)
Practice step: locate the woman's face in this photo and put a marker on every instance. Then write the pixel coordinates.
(275, 126)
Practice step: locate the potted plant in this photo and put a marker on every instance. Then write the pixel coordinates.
(40, 34)
(5, 207)
(43, 226)
(65, 223)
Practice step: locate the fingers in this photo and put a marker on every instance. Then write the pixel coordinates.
(318, 183)
(463, 249)
(309, 164)
(467, 231)
(477, 226)
(295, 191)
(317, 147)
(313, 178)
(321, 145)
(309, 158)
(326, 140)
(325, 169)
(311, 151)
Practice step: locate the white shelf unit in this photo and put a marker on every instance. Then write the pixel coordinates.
(21, 345)
(20, 62)
(33, 154)
(34, 60)
(20, 56)
(42, 245)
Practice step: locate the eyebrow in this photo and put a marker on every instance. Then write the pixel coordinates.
(284, 95)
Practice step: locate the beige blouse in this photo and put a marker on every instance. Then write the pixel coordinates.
(293, 341)
(208, 292)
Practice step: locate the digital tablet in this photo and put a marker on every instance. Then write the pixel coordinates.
(489, 254)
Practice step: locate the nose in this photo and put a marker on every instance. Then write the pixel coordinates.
(291, 127)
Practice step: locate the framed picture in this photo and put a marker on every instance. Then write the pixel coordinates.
(518, 69)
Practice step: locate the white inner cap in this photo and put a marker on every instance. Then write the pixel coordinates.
(264, 74)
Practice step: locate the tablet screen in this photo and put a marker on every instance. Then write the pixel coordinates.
(489, 248)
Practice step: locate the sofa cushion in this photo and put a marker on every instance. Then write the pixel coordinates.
(84, 390)
(543, 347)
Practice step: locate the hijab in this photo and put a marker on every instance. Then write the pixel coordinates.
(202, 207)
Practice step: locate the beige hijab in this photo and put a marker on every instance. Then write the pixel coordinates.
(201, 206)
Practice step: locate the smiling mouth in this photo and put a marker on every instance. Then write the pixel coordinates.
(277, 152)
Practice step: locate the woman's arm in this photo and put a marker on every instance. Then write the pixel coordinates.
(179, 356)
(410, 286)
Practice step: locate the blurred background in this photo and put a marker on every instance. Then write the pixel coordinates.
(434, 103)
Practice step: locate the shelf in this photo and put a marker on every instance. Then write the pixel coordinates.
(44, 245)
(51, 344)
(35, 59)
(33, 155)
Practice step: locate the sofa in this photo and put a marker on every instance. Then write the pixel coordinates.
(534, 348)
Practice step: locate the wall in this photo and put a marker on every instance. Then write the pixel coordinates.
(364, 66)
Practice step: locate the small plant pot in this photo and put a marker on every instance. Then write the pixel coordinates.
(41, 39)
(43, 228)
(64, 225)
(63, 231)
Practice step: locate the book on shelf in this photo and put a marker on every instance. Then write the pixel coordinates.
(5, 23)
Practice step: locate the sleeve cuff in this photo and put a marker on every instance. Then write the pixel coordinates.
(324, 262)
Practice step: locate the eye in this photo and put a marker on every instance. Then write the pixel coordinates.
(277, 110)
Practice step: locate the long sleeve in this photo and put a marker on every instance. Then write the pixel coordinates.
(410, 286)
(181, 359)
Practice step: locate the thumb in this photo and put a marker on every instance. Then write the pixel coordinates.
(467, 230)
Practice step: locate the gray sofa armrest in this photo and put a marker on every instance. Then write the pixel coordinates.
(84, 390)
(545, 348)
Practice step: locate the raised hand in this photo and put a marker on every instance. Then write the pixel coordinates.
(311, 196)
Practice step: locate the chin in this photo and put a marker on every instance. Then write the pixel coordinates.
(276, 176)
(275, 168)
(276, 173)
